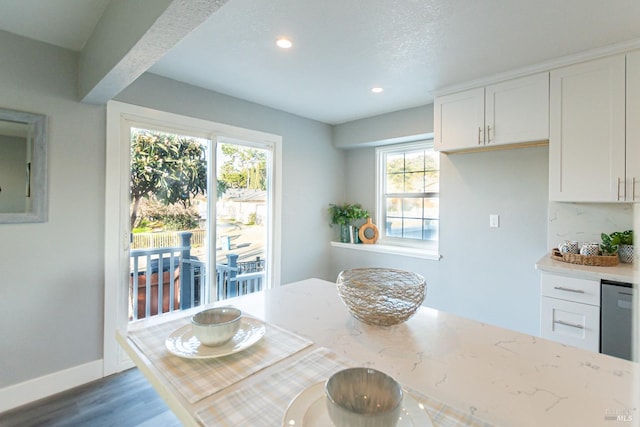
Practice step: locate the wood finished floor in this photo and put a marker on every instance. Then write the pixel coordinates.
(121, 400)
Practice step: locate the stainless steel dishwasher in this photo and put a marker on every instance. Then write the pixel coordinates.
(616, 318)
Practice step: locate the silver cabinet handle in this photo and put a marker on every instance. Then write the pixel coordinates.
(633, 189)
(488, 134)
(573, 325)
(479, 130)
(619, 180)
(562, 288)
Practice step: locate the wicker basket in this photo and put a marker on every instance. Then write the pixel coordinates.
(594, 260)
(381, 296)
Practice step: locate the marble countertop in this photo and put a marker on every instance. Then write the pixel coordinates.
(620, 272)
(501, 376)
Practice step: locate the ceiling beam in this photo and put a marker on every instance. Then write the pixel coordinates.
(130, 37)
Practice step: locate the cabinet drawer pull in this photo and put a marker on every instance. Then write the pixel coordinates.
(479, 130)
(573, 325)
(488, 134)
(562, 288)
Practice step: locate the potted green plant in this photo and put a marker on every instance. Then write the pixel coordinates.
(625, 245)
(608, 247)
(344, 216)
(618, 242)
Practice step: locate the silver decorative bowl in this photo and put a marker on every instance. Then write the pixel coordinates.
(381, 296)
(363, 397)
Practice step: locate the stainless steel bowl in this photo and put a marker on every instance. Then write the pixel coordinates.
(363, 397)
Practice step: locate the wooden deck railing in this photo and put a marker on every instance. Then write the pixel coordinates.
(169, 278)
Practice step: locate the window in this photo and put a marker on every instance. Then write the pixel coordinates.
(408, 178)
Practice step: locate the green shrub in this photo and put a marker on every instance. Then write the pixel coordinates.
(154, 214)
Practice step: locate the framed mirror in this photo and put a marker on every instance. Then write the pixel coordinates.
(23, 167)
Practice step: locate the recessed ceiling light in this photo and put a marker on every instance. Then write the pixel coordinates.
(377, 89)
(284, 43)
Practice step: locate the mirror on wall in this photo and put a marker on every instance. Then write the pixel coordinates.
(23, 167)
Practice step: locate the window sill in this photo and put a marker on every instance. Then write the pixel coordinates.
(389, 249)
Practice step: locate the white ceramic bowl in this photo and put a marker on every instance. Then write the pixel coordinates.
(363, 397)
(216, 326)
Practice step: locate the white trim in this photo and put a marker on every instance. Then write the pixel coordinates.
(116, 245)
(391, 250)
(34, 389)
(119, 117)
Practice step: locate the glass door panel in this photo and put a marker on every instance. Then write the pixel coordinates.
(168, 219)
(242, 217)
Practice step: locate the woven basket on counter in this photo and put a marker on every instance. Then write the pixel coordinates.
(381, 296)
(594, 260)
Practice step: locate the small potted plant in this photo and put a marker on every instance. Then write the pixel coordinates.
(618, 242)
(625, 245)
(345, 215)
(608, 247)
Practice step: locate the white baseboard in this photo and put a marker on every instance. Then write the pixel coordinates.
(47, 385)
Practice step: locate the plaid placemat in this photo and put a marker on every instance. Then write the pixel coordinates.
(264, 403)
(196, 379)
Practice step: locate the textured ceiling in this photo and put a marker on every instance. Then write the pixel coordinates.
(342, 48)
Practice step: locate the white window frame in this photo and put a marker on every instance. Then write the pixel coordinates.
(422, 248)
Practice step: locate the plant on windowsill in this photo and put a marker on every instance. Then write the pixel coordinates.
(345, 215)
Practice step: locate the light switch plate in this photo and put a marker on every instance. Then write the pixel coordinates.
(494, 221)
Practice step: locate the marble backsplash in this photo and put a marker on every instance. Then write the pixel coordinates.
(585, 221)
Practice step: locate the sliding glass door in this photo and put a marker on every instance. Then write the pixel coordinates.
(192, 216)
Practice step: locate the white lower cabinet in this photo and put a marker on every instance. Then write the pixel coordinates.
(570, 311)
(571, 323)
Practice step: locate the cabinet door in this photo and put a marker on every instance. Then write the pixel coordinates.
(587, 131)
(518, 110)
(570, 323)
(633, 127)
(459, 120)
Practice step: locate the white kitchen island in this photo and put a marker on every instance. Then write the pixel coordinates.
(491, 374)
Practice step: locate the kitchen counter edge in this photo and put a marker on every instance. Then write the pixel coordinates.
(620, 273)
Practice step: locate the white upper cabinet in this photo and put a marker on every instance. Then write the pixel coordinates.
(632, 188)
(587, 132)
(459, 120)
(511, 112)
(517, 110)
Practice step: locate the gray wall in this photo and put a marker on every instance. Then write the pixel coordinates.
(52, 281)
(13, 161)
(486, 274)
(385, 128)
